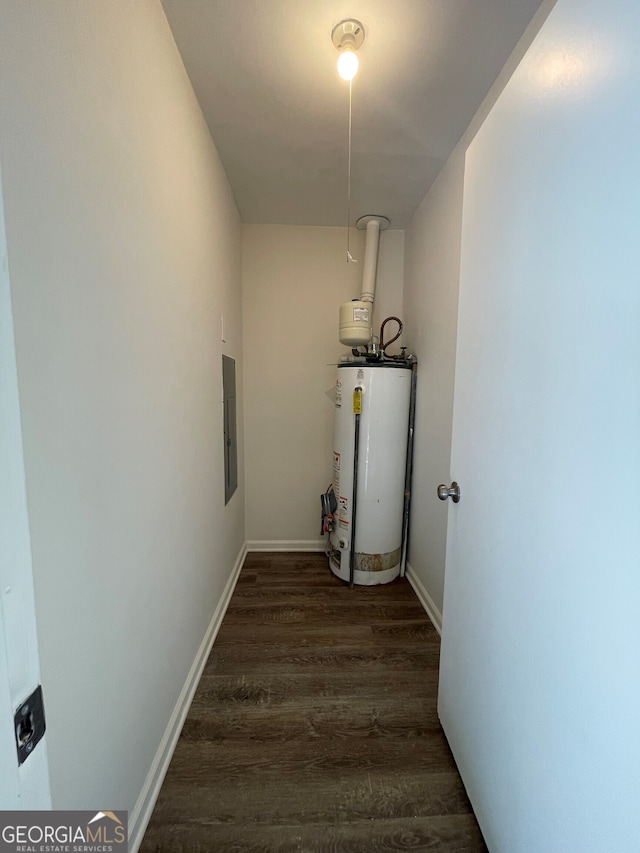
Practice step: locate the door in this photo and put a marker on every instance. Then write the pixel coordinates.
(540, 667)
(25, 786)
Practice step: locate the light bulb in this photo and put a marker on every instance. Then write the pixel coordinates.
(347, 64)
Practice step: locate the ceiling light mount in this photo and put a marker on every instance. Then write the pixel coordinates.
(347, 37)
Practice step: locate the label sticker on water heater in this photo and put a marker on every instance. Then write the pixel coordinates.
(343, 520)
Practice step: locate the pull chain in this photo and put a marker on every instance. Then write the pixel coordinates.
(350, 258)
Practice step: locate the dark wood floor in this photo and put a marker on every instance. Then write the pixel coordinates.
(314, 727)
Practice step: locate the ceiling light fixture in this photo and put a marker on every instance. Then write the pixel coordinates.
(347, 37)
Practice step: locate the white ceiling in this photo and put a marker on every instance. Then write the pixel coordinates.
(265, 75)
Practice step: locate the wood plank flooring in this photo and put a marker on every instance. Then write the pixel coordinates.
(314, 726)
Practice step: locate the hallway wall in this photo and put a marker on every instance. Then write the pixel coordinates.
(432, 278)
(432, 275)
(124, 247)
(294, 280)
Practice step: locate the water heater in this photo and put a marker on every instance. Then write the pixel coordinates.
(372, 403)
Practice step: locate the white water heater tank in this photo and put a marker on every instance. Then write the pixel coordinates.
(356, 318)
(382, 453)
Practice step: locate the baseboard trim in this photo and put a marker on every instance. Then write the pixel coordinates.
(286, 545)
(424, 598)
(141, 814)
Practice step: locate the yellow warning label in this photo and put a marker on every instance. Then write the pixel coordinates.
(357, 401)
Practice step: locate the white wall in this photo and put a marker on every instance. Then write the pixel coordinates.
(432, 277)
(124, 251)
(432, 274)
(294, 281)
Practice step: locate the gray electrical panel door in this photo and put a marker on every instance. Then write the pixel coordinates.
(230, 441)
